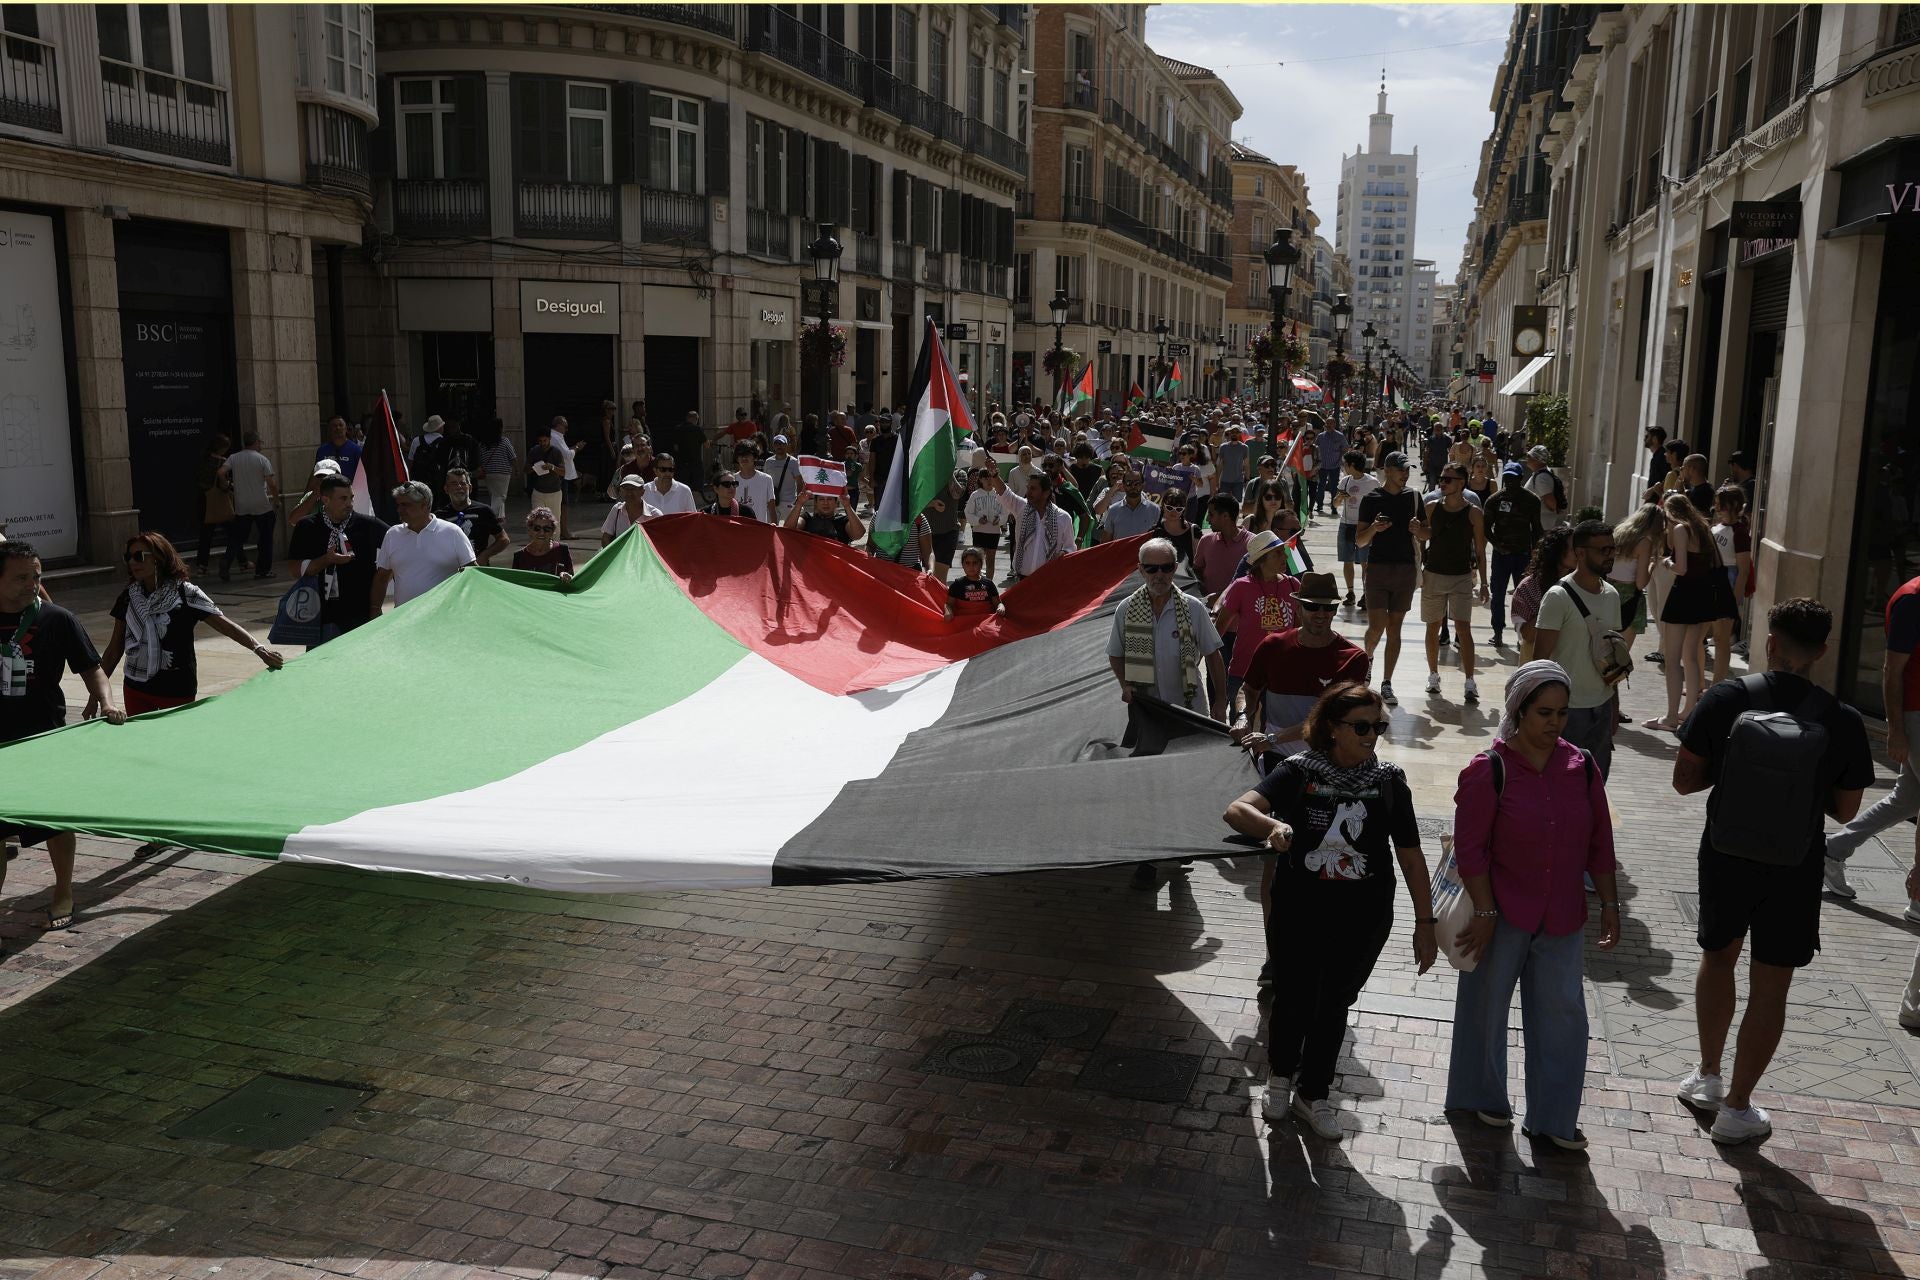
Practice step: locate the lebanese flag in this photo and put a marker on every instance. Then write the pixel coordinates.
(894, 721)
(383, 466)
(823, 475)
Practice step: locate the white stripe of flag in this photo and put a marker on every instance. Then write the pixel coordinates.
(823, 475)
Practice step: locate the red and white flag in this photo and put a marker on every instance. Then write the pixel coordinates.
(823, 475)
(383, 465)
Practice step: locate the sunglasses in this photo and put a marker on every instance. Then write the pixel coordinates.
(542, 528)
(1318, 606)
(1156, 568)
(727, 484)
(138, 557)
(663, 471)
(1368, 728)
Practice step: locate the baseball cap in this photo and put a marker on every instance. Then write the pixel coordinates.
(780, 440)
(632, 482)
(1398, 461)
(1513, 469)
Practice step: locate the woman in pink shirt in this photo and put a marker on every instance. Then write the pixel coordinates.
(1255, 606)
(1530, 820)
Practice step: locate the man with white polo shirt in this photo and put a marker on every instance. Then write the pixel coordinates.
(420, 552)
(666, 496)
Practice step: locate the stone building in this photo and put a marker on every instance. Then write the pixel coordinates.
(170, 177)
(1129, 205)
(1267, 195)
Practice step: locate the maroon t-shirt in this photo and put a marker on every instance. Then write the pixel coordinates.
(1294, 675)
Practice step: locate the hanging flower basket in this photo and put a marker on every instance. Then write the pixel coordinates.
(822, 346)
(1339, 372)
(1062, 364)
(1262, 349)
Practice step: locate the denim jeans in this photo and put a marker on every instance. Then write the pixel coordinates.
(1325, 483)
(1507, 569)
(1553, 1021)
(1901, 803)
(1592, 728)
(262, 528)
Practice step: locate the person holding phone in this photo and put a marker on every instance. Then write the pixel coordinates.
(1385, 529)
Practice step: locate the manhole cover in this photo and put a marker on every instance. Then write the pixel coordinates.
(1071, 1025)
(1147, 1075)
(270, 1113)
(1689, 904)
(991, 1059)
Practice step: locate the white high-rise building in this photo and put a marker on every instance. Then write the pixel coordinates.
(1374, 227)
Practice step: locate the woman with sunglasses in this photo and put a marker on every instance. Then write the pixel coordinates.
(153, 623)
(1530, 821)
(1338, 818)
(542, 554)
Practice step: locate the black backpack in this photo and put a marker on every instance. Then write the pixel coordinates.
(1512, 527)
(1559, 496)
(1768, 800)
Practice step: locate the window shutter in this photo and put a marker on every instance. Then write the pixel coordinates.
(469, 158)
(922, 212)
(823, 196)
(860, 204)
(387, 138)
(1006, 238)
(798, 153)
(842, 186)
(629, 139)
(902, 205)
(950, 221)
(716, 119)
(539, 110)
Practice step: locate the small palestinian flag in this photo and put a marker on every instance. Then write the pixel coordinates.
(383, 466)
(1135, 396)
(823, 475)
(1081, 392)
(1153, 440)
(1296, 562)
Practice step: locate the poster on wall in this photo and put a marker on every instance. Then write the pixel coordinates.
(37, 498)
(172, 361)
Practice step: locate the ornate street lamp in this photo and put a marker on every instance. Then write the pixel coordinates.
(1282, 257)
(1059, 308)
(825, 252)
(1342, 313)
(1220, 359)
(1160, 331)
(1367, 335)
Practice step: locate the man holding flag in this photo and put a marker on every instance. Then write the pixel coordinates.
(922, 463)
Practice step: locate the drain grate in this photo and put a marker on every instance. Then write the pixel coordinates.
(1689, 904)
(1071, 1026)
(270, 1113)
(986, 1058)
(1145, 1075)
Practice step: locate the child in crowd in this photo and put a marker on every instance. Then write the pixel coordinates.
(972, 594)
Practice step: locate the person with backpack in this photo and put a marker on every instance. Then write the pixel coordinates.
(1513, 526)
(1578, 626)
(429, 456)
(1546, 486)
(1778, 752)
(1452, 534)
(1531, 819)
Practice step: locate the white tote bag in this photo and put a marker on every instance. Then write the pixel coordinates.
(1452, 908)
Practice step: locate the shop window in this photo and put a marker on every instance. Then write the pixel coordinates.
(589, 122)
(674, 153)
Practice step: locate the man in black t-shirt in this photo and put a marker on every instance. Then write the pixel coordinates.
(1778, 905)
(1385, 528)
(826, 515)
(38, 639)
(475, 519)
(337, 546)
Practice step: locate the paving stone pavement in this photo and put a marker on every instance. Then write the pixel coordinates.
(730, 1084)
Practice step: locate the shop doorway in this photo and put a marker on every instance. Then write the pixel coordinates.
(673, 380)
(458, 377)
(571, 374)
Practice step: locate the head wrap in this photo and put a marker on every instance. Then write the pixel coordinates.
(1520, 687)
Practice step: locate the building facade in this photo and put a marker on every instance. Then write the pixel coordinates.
(616, 203)
(1375, 226)
(1129, 206)
(1730, 248)
(173, 179)
(1267, 195)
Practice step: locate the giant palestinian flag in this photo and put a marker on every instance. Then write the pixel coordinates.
(714, 703)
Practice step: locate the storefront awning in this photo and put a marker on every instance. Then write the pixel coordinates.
(1518, 387)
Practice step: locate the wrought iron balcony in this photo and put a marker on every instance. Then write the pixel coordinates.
(433, 207)
(1079, 206)
(973, 274)
(714, 18)
(567, 211)
(866, 254)
(902, 260)
(29, 83)
(1023, 205)
(781, 35)
(1079, 93)
(166, 115)
(982, 139)
(674, 217)
(336, 150)
(770, 234)
(933, 271)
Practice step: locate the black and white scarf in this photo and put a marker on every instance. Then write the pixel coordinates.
(336, 541)
(1033, 520)
(148, 613)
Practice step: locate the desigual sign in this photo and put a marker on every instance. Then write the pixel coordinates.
(569, 306)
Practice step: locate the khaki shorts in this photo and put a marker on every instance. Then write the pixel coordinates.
(1446, 595)
(1390, 586)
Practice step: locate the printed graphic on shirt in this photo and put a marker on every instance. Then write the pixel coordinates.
(1337, 856)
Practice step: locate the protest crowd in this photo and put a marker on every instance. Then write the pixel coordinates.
(1231, 620)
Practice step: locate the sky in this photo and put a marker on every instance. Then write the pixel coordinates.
(1307, 75)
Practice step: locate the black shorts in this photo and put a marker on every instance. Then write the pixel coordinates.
(986, 541)
(944, 545)
(26, 837)
(1777, 909)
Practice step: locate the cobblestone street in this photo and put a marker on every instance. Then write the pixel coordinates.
(759, 1083)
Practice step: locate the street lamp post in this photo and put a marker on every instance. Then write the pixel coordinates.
(1059, 307)
(825, 252)
(1342, 318)
(1367, 335)
(1281, 258)
(1160, 332)
(1220, 360)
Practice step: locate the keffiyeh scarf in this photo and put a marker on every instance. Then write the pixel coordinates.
(1137, 639)
(1033, 520)
(147, 616)
(13, 654)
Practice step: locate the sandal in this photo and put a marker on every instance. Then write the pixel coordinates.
(1664, 726)
(56, 923)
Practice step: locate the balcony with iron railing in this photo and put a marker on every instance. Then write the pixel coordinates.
(903, 261)
(784, 37)
(1079, 206)
(567, 210)
(1023, 204)
(1527, 206)
(770, 234)
(29, 83)
(866, 254)
(675, 217)
(1078, 93)
(1023, 310)
(973, 275)
(164, 114)
(997, 280)
(933, 271)
(439, 207)
(982, 139)
(336, 150)
(717, 19)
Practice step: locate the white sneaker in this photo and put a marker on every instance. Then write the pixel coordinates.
(1910, 1018)
(1433, 682)
(1913, 911)
(1473, 690)
(1836, 878)
(1702, 1091)
(1386, 693)
(1321, 1117)
(1279, 1095)
(1732, 1126)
